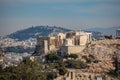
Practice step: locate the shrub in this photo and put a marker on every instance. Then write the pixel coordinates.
(52, 57)
(74, 56)
(51, 75)
(75, 64)
(62, 70)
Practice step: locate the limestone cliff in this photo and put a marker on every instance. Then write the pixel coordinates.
(103, 51)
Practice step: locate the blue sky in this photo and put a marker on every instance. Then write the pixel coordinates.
(73, 14)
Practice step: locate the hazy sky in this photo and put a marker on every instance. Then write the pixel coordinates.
(75, 14)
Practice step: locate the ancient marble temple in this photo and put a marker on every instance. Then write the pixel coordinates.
(63, 43)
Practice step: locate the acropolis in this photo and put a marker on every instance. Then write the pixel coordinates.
(63, 43)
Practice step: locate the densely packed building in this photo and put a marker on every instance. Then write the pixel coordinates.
(1, 55)
(9, 42)
(63, 43)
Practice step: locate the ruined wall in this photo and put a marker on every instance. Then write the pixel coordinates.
(71, 49)
(71, 42)
(83, 40)
(45, 47)
(68, 42)
(75, 49)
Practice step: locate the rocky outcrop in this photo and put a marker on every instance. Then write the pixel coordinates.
(103, 51)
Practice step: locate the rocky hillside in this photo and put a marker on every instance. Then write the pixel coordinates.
(34, 32)
(100, 54)
(102, 48)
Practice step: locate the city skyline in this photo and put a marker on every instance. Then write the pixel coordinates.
(73, 14)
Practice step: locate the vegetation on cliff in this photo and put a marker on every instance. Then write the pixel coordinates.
(27, 70)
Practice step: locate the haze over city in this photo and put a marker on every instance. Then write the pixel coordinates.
(59, 39)
(72, 14)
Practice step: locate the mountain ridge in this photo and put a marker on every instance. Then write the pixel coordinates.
(36, 31)
(105, 31)
(39, 31)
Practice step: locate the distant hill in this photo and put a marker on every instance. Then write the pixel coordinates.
(105, 31)
(34, 32)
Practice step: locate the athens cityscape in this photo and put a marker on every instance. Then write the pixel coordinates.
(60, 40)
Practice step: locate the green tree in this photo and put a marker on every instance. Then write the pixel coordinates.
(66, 56)
(51, 75)
(26, 70)
(52, 57)
(62, 70)
(75, 64)
(74, 56)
